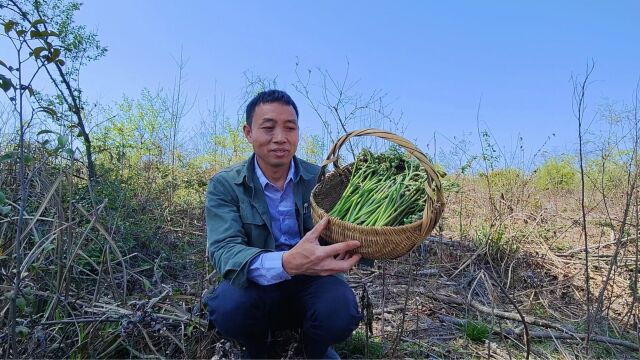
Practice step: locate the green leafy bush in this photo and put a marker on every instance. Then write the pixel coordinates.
(557, 173)
(505, 180)
(606, 174)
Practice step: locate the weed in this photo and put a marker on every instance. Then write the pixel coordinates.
(539, 310)
(355, 347)
(602, 351)
(411, 350)
(476, 330)
(495, 243)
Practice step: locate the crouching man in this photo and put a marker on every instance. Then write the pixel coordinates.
(262, 240)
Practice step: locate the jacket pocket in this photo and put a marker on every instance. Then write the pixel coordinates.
(254, 226)
(250, 215)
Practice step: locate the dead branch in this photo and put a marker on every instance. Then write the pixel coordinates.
(499, 313)
(547, 334)
(596, 247)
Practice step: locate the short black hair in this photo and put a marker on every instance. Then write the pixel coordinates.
(266, 97)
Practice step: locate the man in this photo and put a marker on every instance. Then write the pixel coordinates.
(262, 240)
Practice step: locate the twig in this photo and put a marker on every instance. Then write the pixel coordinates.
(391, 308)
(396, 341)
(426, 347)
(115, 250)
(579, 91)
(80, 320)
(522, 318)
(149, 342)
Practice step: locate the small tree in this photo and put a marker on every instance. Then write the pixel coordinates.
(340, 108)
(45, 31)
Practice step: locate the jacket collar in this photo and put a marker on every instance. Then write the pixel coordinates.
(263, 178)
(247, 173)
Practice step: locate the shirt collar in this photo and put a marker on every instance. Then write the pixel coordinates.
(263, 179)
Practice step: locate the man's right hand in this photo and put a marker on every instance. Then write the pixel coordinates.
(308, 257)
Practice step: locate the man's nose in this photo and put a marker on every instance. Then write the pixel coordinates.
(278, 136)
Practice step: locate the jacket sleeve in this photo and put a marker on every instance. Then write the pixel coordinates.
(226, 240)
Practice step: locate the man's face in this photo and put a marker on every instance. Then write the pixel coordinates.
(273, 134)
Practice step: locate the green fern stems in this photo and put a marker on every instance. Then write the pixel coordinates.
(386, 189)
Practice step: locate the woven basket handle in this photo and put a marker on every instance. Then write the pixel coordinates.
(434, 178)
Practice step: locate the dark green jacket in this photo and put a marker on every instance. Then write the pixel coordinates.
(238, 222)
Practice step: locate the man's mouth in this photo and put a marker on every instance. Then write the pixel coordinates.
(280, 152)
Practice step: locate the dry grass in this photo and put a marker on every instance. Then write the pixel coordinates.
(82, 297)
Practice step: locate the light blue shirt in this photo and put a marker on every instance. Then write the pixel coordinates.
(266, 268)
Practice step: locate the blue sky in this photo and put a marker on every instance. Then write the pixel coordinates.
(435, 60)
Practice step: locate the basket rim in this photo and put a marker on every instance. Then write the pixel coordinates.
(433, 178)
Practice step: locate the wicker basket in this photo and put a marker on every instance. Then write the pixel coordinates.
(383, 242)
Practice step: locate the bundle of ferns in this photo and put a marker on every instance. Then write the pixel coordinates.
(385, 189)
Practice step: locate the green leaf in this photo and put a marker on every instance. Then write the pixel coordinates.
(21, 32)
(35, 34)
(5, 83)
(28, 159)
(4, 210)
(37, 51)
(9, 25)
(22, 330)
(3, 198)
(49, 110)
(62, 141)
(37, 22)
(8, 156)
(4, 65)
(146, 284)
(42, 132)
(21, 304)
(55, 54)
(60, 62)
(69, 152)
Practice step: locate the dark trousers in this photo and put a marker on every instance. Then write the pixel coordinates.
(324, 307)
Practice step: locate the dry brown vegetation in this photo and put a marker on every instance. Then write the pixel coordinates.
(102, 239)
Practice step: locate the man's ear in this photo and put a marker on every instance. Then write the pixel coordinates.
(246, 129)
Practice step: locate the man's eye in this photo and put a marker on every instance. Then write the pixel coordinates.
(267, 127)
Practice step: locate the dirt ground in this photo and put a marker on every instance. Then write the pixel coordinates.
(443, 301)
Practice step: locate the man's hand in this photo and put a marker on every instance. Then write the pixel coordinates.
(309, 258)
